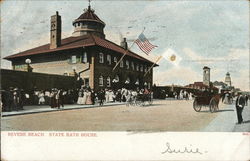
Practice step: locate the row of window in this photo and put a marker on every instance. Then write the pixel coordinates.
(128, 65)
(79, 59)
(116, 80)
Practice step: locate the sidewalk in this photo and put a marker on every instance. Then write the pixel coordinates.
(226, 121)
(46, 108)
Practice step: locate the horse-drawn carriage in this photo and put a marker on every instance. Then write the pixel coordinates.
(206, 99)
(140, 100)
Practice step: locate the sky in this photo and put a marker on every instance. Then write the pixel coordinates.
(200, 33)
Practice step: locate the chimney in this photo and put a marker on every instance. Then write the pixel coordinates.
(124, 44)
(55, 31)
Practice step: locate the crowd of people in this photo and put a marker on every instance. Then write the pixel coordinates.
(14, 99)
(183, 95)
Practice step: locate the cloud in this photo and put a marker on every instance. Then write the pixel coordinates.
(242, 81)
(177, 75)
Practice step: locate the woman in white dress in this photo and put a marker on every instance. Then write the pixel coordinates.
(88, 97)
(107, 96)
(41, 100)
(80, 97)
(84, 99)
(111, 96)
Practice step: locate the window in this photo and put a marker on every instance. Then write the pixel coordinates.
(121, 64)
(84, 58)
(101, 81)
(108, 82)
(137, 82)
(137, 67)
(127, 64)
(141, 68)
(145, 68)
(127, 81)
(86, 82)
(115, 59)
(73, 59)
(109, 59)
(117, 79)
(101, 58)
(132, 66)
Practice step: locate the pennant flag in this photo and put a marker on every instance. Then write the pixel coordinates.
(171, 56)
(144, 44)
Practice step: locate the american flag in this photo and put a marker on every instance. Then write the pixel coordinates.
(144, 44)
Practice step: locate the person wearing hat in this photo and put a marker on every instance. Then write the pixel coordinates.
(240, 103)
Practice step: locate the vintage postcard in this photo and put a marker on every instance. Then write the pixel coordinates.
(125, 80)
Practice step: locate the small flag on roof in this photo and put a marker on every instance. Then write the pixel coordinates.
(144, 44)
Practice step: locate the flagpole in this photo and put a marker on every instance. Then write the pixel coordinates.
(126, 51)
(158, 59)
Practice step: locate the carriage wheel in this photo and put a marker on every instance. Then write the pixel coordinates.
(196, 106)
(213, 105)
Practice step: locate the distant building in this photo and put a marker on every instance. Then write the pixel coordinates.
(228, 79)
(206, 76)
(220, 85)
(206, 84)
(88, 55)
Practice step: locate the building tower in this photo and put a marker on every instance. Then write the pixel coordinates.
(87, 23)
(55, 31)
(206, 76)
(228, 79)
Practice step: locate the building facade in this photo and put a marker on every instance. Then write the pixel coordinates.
(87, 55)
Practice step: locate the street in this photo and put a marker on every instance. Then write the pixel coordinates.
(163, 115)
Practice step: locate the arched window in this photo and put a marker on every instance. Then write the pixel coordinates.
(108, 82)
(137, 81)
(117, 78)
(145, 68)
(132, 66)
(137, 67)
(141, 68)
(115, 59)
(101, 81)
(109, 59)
(121, 64)
(127, 64)
(84, 57)
(127, 81)
(101, 58)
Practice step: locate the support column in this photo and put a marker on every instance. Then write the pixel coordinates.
(92, 73)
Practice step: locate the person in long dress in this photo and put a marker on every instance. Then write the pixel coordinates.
(88, 98)
(111, 96)
(80, 97)
(84, 99)
(41, 98)
(106, 95)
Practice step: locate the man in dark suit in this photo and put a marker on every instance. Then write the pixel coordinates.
(240, 103)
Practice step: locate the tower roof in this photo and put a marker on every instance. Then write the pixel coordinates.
(89, 15)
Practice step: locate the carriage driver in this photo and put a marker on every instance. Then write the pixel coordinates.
(240, 103)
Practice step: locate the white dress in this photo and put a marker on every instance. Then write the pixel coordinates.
(84, 99)
(111, 96)
(41, 99)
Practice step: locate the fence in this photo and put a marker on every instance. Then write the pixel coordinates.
(30, 80)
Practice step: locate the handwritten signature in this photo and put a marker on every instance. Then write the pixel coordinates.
(182, 150)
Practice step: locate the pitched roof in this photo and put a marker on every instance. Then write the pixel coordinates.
(76, 42)
(89, 15)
